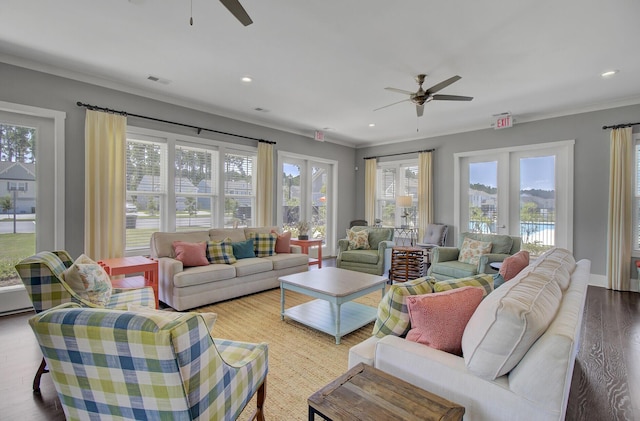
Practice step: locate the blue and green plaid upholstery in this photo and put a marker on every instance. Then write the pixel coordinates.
(264, 244)
(483, 281)
(42, 277)
(111, 364)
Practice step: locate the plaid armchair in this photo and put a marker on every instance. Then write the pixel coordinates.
(147, 365)
(42, 277)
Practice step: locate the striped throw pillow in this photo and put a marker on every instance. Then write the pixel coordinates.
(220, 252)
(483, 280)
(264, 244)
(393, 315)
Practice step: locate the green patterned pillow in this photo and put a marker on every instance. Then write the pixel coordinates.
(264, 244)
(483, 280)
(393, 315)
(220, 252)
(358, 240)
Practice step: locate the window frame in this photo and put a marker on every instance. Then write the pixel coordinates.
(400, 167)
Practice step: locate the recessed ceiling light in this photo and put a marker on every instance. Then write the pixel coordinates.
(609, 73)
(247, 79)
(372, 124)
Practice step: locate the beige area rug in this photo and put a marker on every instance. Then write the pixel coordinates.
(301, 359)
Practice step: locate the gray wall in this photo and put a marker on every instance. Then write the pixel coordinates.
(27, 87)
(591, 169)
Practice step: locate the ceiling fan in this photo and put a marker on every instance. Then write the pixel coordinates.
(421, 96)
(238, 11)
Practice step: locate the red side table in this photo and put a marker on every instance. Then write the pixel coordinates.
(129, 265)
(305, 244)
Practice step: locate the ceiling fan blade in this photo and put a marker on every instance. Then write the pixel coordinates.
(419, 110)
(451, 98)
(443, 84)
(400, 91)
(238, 11)
(404, 100)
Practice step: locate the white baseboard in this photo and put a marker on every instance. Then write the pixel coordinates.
(601, 281)
(14, 299)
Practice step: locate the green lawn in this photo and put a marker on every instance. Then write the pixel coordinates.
(13, 248)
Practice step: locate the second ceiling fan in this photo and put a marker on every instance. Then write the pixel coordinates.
(422, 96)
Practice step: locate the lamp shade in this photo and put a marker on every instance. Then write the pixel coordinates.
(404, 201)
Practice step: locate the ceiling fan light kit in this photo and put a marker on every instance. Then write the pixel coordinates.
(421, 97)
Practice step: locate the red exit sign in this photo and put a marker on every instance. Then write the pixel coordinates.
(503, 121)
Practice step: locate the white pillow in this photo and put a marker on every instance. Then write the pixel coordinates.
(510, 319)
(89, 280)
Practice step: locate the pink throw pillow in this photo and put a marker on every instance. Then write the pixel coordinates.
(438, 320)
(283, 242)
(191, 254)
(512, 265)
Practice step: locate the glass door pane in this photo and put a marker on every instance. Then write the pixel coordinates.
(291, 196)
(537, 203)
(483, 197)
(18, 188)
(319, 181)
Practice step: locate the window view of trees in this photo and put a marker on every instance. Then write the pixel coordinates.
(17, 199)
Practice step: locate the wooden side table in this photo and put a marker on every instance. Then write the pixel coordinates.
(305, 244)
(407, 263)
(366, 393)
(133, 264)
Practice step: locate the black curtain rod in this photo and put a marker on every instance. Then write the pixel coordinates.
(396, 154)
(619, 126)
(199, 129)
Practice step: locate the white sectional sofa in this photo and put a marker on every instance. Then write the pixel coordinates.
(506, 372)
(188, 287)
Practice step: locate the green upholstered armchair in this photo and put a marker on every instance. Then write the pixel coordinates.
(445, 264)
(147, 365)
(376, 260)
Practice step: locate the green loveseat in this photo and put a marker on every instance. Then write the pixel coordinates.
(376, 260)
(445, 264)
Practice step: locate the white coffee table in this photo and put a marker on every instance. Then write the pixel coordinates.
(334, 311)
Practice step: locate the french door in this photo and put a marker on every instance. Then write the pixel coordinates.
(522, 191)
(305, 187)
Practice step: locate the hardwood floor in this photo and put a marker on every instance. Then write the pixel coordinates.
(605, 386)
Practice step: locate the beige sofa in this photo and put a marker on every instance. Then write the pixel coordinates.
(188, 287)
(507, 372)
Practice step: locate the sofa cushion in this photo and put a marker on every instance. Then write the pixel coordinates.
(377, 235)
(511, 319)
(220, 252)
(243, 249)
(500, 244)
(393, 316)
(558, 262)
(455, 269)
(283, 242)
(288, 260)
(438, 320)
(245, 267)
(235, 234)
(483, 281)
(203, 275)
(512, 265)
(89, 280)
(191, 254)
(264, 244)
(471, 250)
(369, 257)
(358, 240)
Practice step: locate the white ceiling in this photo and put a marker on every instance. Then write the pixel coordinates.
(324, 64)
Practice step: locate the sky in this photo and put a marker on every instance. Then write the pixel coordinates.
(535, 173)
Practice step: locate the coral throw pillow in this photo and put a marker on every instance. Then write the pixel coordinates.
(191, 254)
(283, 242)
(438, 320)
(89, 280)
(358, 240)
(512, 265)
(471, 250)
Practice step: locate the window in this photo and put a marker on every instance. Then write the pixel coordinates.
(184, 196)
(395, 179)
